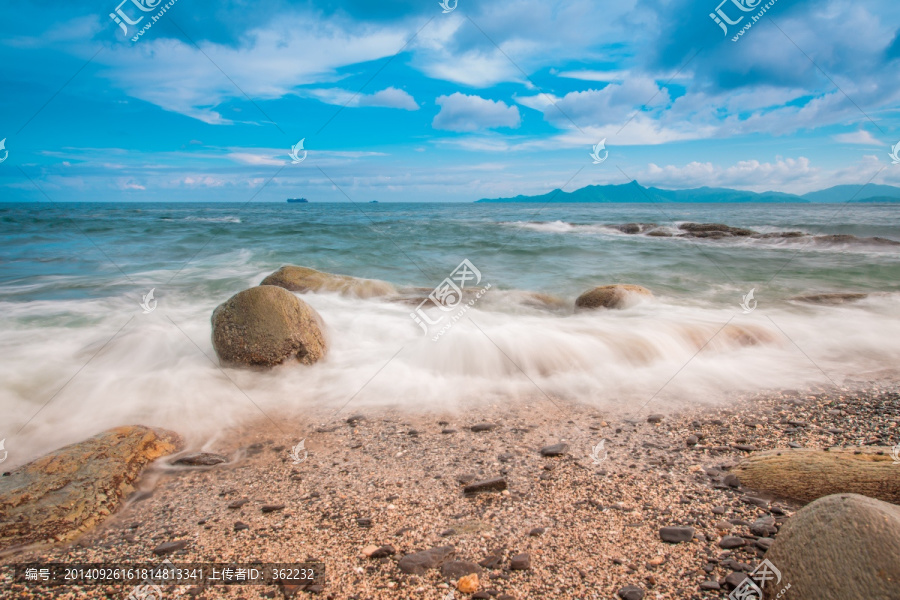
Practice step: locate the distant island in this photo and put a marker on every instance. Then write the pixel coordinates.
(634, 192)
(297, 200)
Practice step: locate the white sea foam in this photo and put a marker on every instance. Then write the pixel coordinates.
(160, 369)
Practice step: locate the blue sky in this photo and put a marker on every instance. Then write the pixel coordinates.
(402, 101)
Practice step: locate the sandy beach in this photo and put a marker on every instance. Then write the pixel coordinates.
(392, 480)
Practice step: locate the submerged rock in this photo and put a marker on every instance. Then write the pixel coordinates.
(713, 230)
(620, 295)
(841, 546)
(265, 326)
(66, 492)
(304, 279)
(831, 298)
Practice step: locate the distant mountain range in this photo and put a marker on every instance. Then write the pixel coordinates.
(634, 192)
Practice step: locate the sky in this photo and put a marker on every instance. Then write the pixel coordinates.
(418, 101)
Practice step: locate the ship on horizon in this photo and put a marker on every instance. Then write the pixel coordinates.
(297, 200)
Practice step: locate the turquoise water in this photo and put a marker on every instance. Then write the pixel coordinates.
(73, 277)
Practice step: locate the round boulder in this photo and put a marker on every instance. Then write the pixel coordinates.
(838, 547)
(265, 326)
(304, 279)
(620, 295)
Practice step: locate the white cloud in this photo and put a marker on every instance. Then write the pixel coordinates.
(861, 137)
(388, 98)
(460, 112)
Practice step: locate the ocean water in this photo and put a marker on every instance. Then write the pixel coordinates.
(78, 354)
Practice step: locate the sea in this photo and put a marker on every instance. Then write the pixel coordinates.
(83, 347)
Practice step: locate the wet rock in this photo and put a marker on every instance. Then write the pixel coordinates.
(713, 230)
(419, 562)
(520, 562)
(840, 546)
(612, 296)
(68, 491)
(200, 459)
(829, 299)
(304, 279)
(554, 450)
(265, 326)
(676, 535)
(497, 484)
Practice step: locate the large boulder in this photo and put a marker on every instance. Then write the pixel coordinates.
(806, 474)
(64, 493)
(265, 326)
(304, 279)
(839, 547)
(620, 295)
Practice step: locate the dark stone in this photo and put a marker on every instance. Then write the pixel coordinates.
(764, 543)
(419, 562)
(459, 568)
(630, 592)
(497, 484)
(710, 585)
(448, 430)
(465, 478)
(364, 522)
(490, 561)
(555, 449)
(483, 427)
(718, 510)
(238, 526)
(764, 526)
(655, 419)
(730, 542)
(267, 508)
(201, 459)
(167, 547)
(692, 440)
(734, 579)
(676, 535)
(731, 480)
(537, 531)
(355, 419)
(520, 562)
(238, 503)
(744, 447)
(386, 550)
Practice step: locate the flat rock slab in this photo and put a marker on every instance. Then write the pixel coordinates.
(497, 484)
(483, 427)
(200, 459)
(676, 535)
(66, 492)
(806, 474)
(419, 562)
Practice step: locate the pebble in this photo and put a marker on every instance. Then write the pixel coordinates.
(239, 526)
(655, 418)
(468, 584)
(555, 449)
(710, 585)
(676, 535)
(418, 562)
(734, 579)
(447, 430)
(483, 427)
(355, 419)
(520, 562)
(718, 510)
(630, 592)
(692, 440)
(167, 547)
(238, 503)
(497, 484)
(730, 541)
(536, 531)
(267, 508)
(764, 543)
